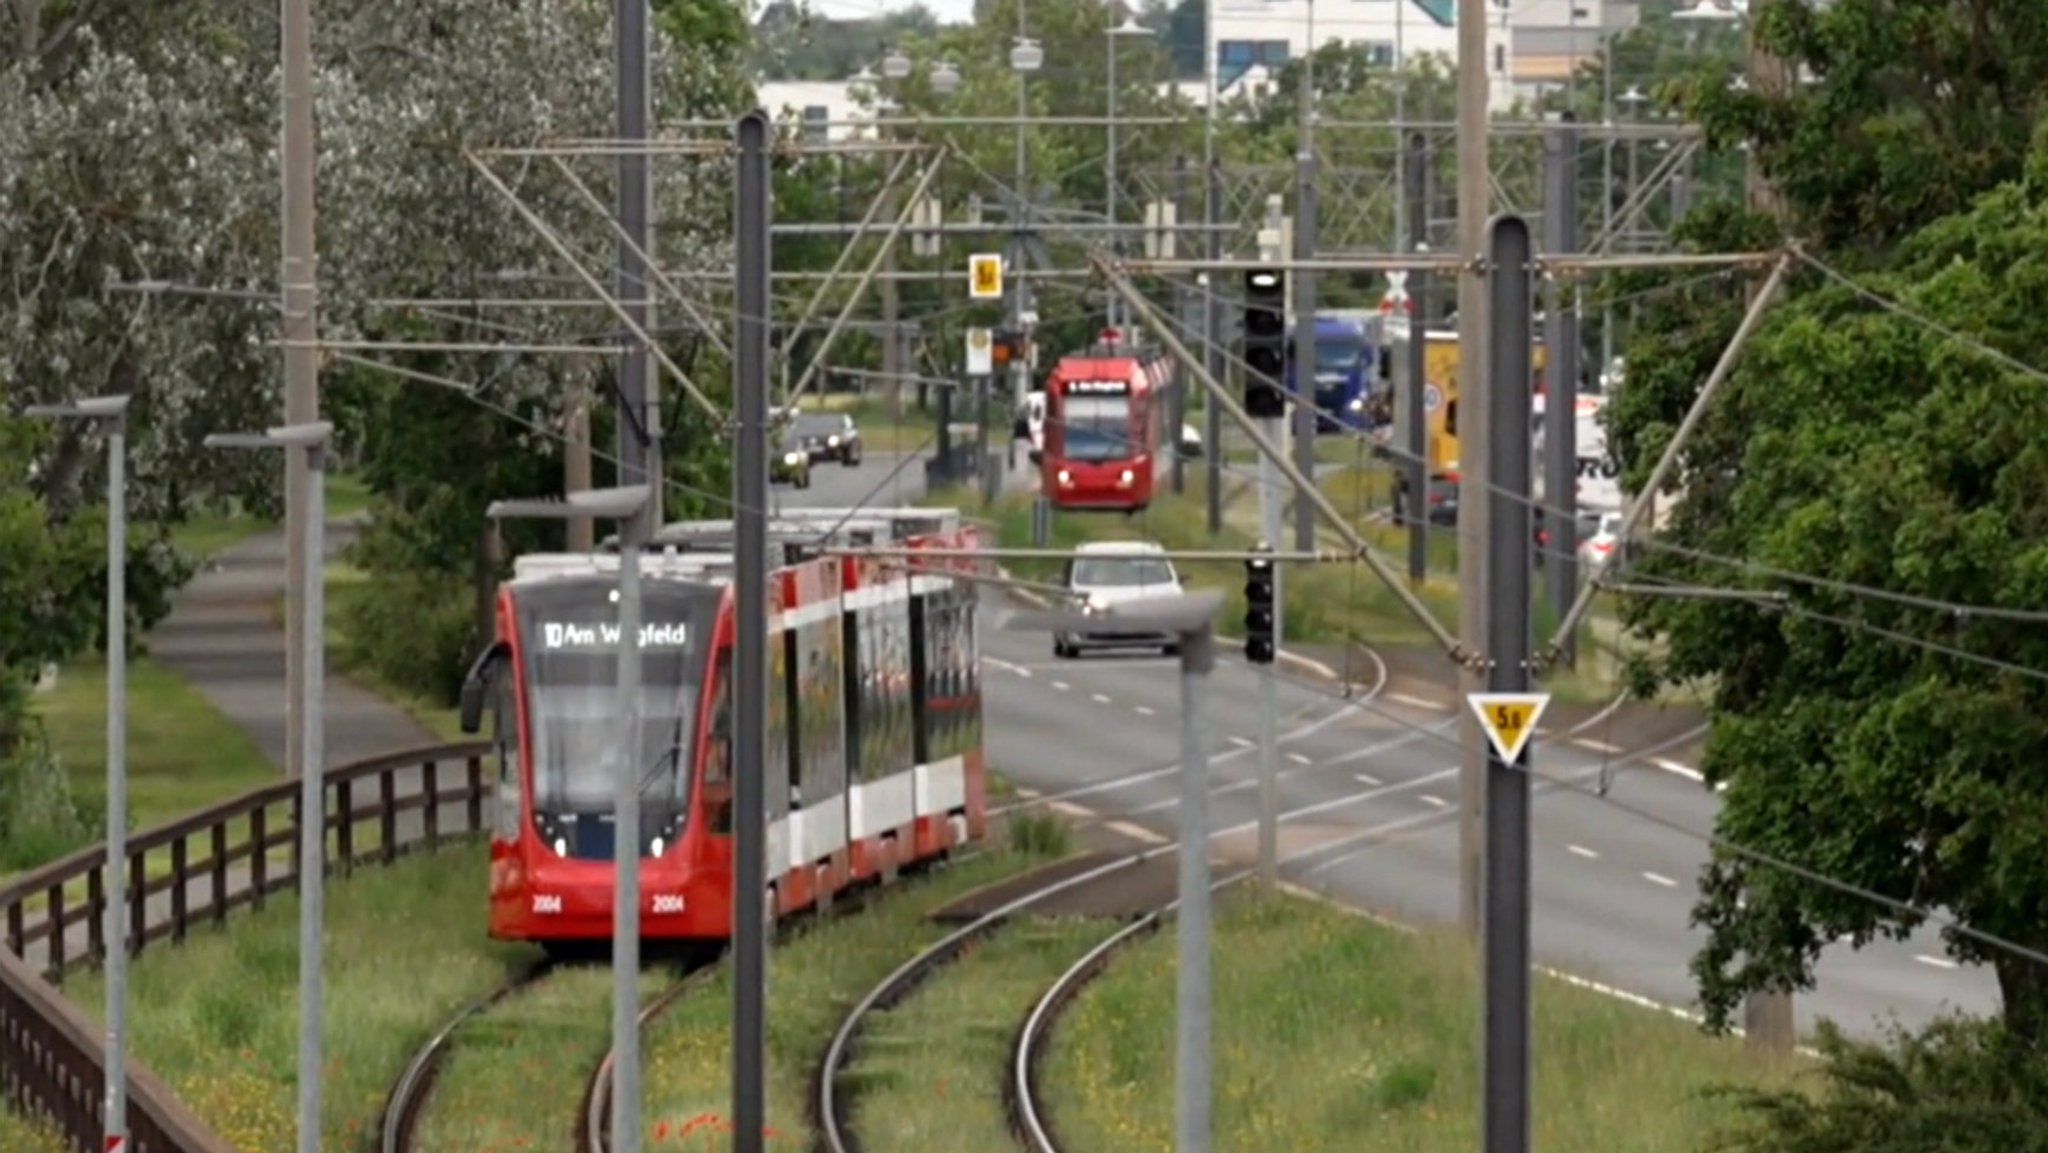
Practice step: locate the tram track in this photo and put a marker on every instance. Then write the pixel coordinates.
(406, 1104)
(594, 1114)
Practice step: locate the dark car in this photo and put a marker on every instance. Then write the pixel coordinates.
(828, 436)
(1443, 499)
(790, 464)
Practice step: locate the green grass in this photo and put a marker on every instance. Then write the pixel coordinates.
(550, 1035)
(217, 1017)
(813, 980)
(183, 755)
(210, 531)
(1333, 1033)
(20, 1134)
(931, 1072)
(347, 585)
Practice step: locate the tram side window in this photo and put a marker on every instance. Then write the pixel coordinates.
(777, 751)
(851, 637)
(970, 672)
(718, 749)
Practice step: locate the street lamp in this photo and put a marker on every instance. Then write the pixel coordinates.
(622, 505)
(1128, 27)
(112, 412)
(310, 439)
(1026, 57)
(945, 78)
(1192, 618)
(895, 65)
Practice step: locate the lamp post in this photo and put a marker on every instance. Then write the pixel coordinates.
(1026, 57)
(112, 413)
(621, 505)
(1192, 618)
(310, 439)
(1128, 27)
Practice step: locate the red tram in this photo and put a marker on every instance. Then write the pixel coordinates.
(874, 744)
(1106, 412)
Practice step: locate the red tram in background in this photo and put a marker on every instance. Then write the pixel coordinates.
(874, 744)
(1105, 427)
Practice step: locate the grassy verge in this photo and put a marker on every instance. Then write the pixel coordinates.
(347, 585)
(931, 1072)
(551, 1035)
(217, 1016)
(813, 979)
(212, 530)
(19, 1134)
(1335, 1033)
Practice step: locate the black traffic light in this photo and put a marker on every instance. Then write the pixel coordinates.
(1259, 622)
(1265, 342)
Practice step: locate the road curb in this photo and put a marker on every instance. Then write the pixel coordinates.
(1309, 665)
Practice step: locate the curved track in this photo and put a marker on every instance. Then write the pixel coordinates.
(1020, 1085)
(594, 1124)
(409, 1093)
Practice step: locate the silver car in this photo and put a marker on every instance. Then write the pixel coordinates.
(1107, 573)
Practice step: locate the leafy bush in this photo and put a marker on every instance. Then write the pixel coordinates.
(413, 631)
(39, 818)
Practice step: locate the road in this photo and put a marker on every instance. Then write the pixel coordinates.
(1613, 889)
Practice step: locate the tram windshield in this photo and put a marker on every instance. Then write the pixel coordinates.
(1096, 428)
(570, 645)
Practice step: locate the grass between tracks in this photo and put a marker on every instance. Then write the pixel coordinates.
(1336, 1033)
(931, 1073)
(217, 1016)
(19, 1134)
(814, 979)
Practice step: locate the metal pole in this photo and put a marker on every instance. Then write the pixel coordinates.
(750, 657)
(626, 849)
(1182, 299)
(1109, 169)
(1475, 195)
(1020, 371)
(990, 486)
(301, 333)
(1415, 415)
(1212, 315)
(1304, 283)
(1560, 421)
(1271, 518)
(312, 806)
(639, 434)
(1504, 1076)
(115, 916)
(1191, 1058)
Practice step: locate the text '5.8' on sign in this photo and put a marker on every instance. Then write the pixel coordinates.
(1509, 719)
(985, 276)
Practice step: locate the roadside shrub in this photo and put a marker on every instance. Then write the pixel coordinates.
(413, 631)
(39, 817)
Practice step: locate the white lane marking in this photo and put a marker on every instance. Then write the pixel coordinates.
(1241, 743)
(1299, 759)
(1142, 710)
(1366, 779)
(1660, 879)
(1937, 962)
(1583, 851)
(1417, 702)
(1439, 802)
(1135, 832)
(1029, 794)
(1597, 746)
(1070, 809)
(1007, 666)
(1061, 686)
(1099, 698)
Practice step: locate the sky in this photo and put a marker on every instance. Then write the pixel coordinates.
(948, 11)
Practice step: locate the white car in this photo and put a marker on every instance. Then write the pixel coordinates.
(1596, 550)
(1107, 573)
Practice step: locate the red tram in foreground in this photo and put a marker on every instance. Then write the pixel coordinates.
(874, 745)
(1105, 428)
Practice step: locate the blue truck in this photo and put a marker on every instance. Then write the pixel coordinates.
(1346, 367)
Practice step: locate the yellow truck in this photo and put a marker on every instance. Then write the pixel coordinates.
(1440, 395)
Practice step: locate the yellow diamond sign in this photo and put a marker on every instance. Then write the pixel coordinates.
(1509, 719)
(985, 276)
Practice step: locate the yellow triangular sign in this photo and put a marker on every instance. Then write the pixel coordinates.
(1509, 719)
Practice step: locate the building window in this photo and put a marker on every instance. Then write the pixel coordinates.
(1500, 58)
(1379, 54)
(1234, 58)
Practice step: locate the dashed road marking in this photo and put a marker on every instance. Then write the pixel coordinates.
(1007, 666)
(1583, 851)
(1135, 832)
(1417, 702)
(1937, 962)
(1438, 802)
(1099, 698)
(1069, 808)
(1299, 759)
(1660, 879)
(1367, 779)
(1241, 743)
(1061, 686)
(1597, 746)
(1029, 794)
(1142, 710)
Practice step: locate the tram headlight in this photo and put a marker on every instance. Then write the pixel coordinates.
(561, 847)
(1126, 477)
(654, 850)
(1066, 477)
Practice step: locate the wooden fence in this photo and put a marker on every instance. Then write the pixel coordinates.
(194, 870)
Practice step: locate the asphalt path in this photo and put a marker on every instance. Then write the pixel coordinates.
(1369, 797)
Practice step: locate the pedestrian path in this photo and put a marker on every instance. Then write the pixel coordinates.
(224, 637)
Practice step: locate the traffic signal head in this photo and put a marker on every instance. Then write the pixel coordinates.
(1265, 342)
(1259, 619)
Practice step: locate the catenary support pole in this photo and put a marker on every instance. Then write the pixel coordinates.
(1184, 301)
(750, 658)
(115, 916)
(1504, 1075)
(626, 853)
(639, 423)
(1475, 194)
(1212, 338)
(300, 282)
(1561, 340)
(1272, 517)
(1415, 412)
(312, 805)
(1191, 1058)
(1304, 285)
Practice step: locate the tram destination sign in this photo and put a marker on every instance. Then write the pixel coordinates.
(1098, 387)
(606, 636)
